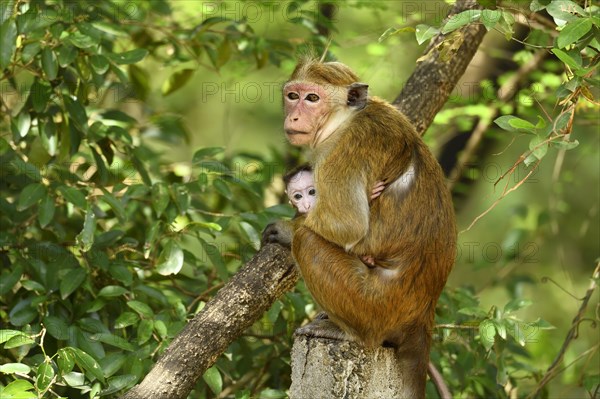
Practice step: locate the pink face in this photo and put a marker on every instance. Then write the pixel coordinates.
(301, 191)
(306, 106)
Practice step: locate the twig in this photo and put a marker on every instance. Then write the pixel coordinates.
(505, 93)
(571, 335)
(504, 194)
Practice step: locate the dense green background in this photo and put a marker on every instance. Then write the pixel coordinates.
(141, 151)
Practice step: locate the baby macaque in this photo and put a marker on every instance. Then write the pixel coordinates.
(300, 189)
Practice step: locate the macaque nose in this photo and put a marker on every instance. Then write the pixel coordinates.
(307, 205)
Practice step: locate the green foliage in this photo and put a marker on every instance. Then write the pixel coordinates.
(101, 267)
(107, 250)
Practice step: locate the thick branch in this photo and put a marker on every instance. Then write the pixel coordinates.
(432, 81)
(241, 302)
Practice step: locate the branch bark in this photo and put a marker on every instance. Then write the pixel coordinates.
(272, 272)
(241, 302)
(428, 88)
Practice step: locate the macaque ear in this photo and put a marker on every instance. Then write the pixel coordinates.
(357, 95)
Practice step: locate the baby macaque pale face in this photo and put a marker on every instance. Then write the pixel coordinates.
(301, 191)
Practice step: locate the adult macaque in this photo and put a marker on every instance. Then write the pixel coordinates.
(409, 230)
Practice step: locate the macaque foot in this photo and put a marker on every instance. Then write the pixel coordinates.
(279, 232)
(321, 316)
(322, 328)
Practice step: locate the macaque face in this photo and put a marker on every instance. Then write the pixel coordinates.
(301, 191)
(307, 106)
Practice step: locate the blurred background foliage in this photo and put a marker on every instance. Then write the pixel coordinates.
(141, 151)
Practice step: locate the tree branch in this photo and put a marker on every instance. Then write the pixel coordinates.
(241, 302)
(428, 88)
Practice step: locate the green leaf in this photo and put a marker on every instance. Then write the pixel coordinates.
(151, 238)
(512, 123)
(99, 63)
(222, 188)
(6, 335)
(160, 198)
(128, 57)
(574, 31)
(543, 324)
(114, 204)
(74, 379)
(9, 279)
(160, 328)
(517, 304)
(425, 32)
(65, 361)
(461, 19)
(251, 233)
(567, 59)
(71, 281)
(522, 125)
(23, 123)
(30, 195)
(539, 149)
(113, 340)
(204, 226)
(8, 41)
(87, 363)
(57, 327)
(144, 331)
(487, 333)
(393, 31)
(212, 251)
(126, 319)
(11, 368)
(118, 383)
(85, 239)
(30, 50)
(111, 291)
(490, 18)
(206, 152)
(176, 81)
(77, 113)
(170, 260)
(182, 197)
(564, 145)
(18, 389)
(473, 311)
(564, 11)
(45, 375)
(66, 55)
(141, 308)
(213, 379)
(49, 63)
(49, 138)
(40, 95)
(80, 40)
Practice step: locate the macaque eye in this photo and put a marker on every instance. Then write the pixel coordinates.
(312, 191)
(297, 197)
(313, 98)
(293, 96)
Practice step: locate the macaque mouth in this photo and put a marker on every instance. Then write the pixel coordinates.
(291, 132)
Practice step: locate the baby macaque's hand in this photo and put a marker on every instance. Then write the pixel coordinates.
(377, 189)
(368, 260)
